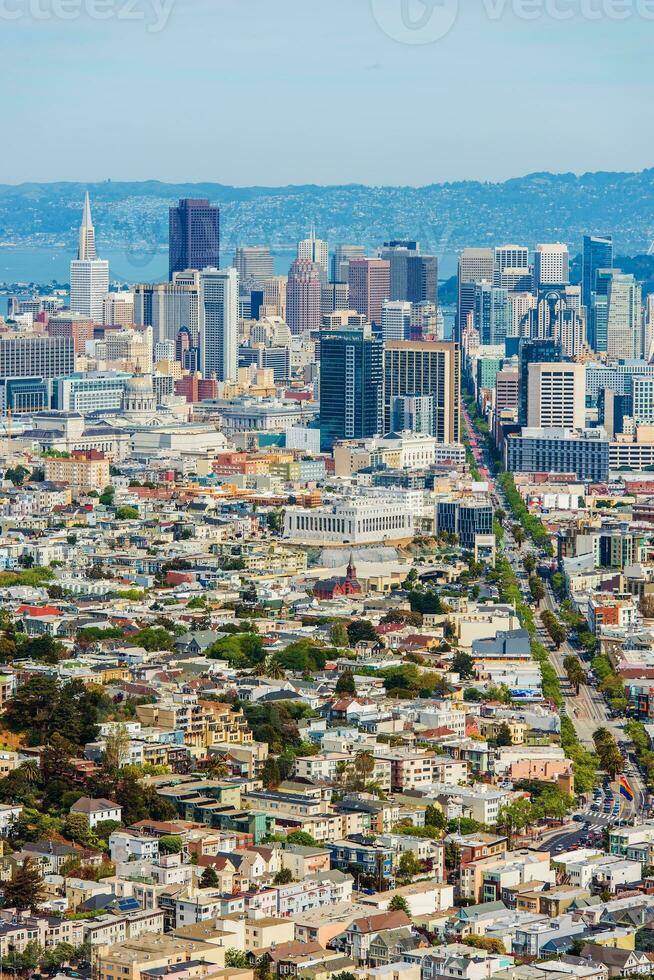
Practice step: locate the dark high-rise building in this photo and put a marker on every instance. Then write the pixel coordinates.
(533, 352)
(194, 236)
(413, 277)
(598, 254)
(351, 385)
(598, 312)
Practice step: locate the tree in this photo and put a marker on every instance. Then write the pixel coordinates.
(25, 890)
(302, 838)
(127, 513)
(503, 737)
(485, 942)
(399, 904)
(515, 816)
(339, 637)
(409, 866)
(463, 665)
(537, 589)
(116, 748)
(575, 673)
(361, 630)
(270, 775)
(77, 828)
(283, 877)
(609, 754)
(170, 844)
(364, 764)
(434, 817)
(346, 683)
(529, 563)
(107, 496)
(209, 878)
(519, 535)
(343, 975)
(236, 960)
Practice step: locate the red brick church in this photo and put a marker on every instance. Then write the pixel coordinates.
(329, 588)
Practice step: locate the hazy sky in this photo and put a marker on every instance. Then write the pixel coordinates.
(323, 91)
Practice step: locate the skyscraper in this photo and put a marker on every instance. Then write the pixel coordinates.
(551, 265)
(413, 367)
(533, 352)
(370, 281)
(511, 257)
(89, 275)
(351, 385)
(556, 395)
(625, 317)
(219, 323)
(35, 356)
(475, 265)
(598, 254)
(598, 313)
(86, 247)
(168, 307)
(413, 277)
(194, 236)
(396, 320)
(313, 249)
(343, 255)
(303, 296)
(493, 313)
(253, 263)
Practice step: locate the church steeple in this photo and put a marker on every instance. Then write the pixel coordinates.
(86, 248)
(351, 572)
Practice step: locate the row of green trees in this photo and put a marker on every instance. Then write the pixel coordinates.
(522, 515)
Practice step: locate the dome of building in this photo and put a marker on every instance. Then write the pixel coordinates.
(139, 394)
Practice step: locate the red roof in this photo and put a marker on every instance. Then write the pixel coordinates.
(39, 611)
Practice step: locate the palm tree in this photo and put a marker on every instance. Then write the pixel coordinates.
(274, 670)
(30, 771)
(519, 535)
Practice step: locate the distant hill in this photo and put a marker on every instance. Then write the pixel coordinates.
(444, 217)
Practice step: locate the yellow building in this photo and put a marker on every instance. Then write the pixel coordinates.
(203, 722)
(262, 933)
(82, 472)
(133, 958)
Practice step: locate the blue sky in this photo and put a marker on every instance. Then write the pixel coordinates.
(323, 91)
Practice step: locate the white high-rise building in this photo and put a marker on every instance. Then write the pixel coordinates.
(511, 257)
(625, 317)
(89, 275)
(557, 396)
(551, 265)
(315, 250)
(522, 305)
(396, 320)
(219, 323)
(86, 247)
